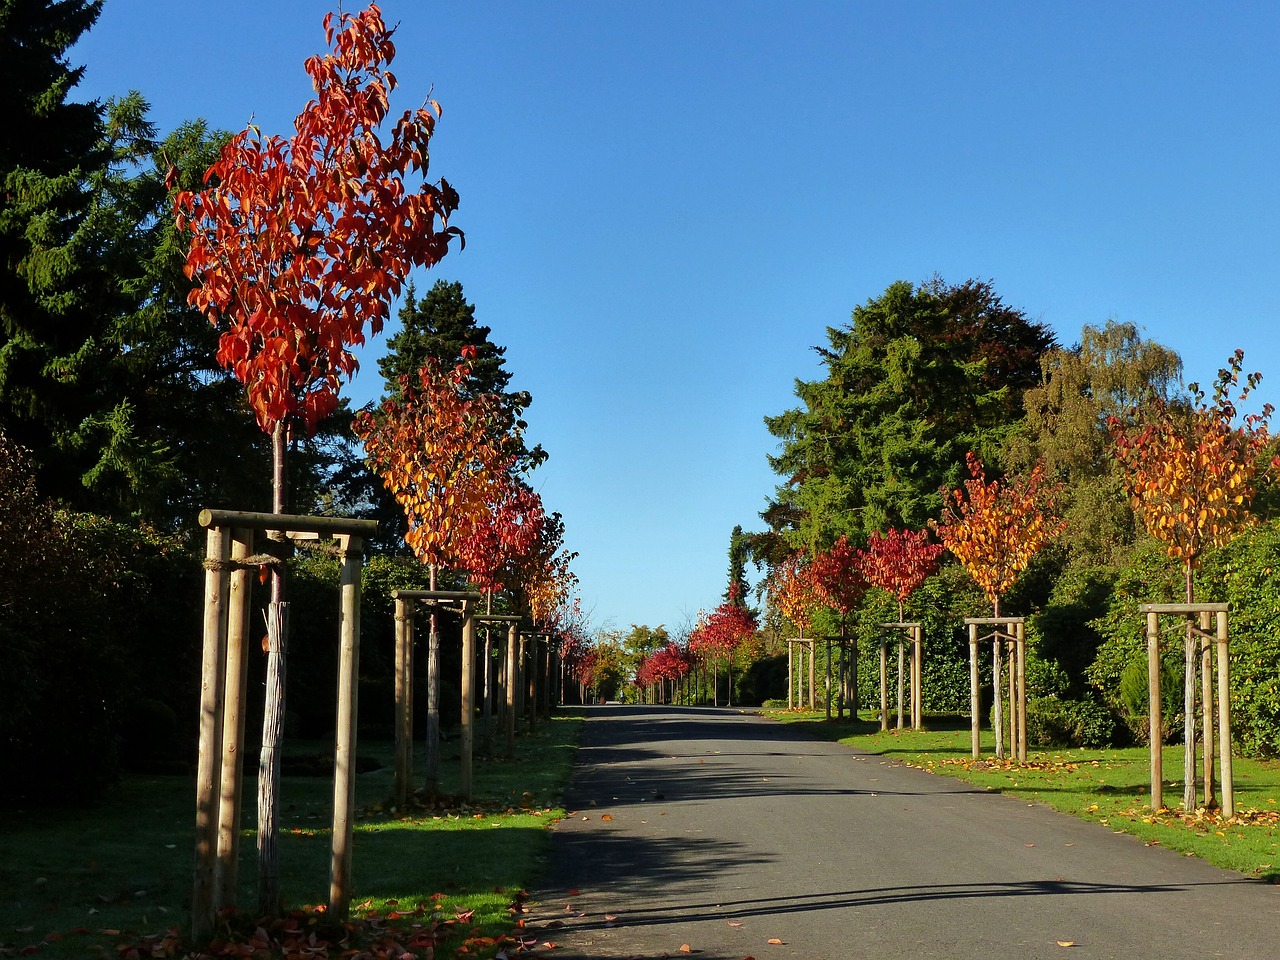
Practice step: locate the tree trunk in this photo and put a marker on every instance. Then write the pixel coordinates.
(269, 897)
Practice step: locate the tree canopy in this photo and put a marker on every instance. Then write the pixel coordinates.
(921, 375)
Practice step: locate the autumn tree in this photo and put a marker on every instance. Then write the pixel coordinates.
(898, 561)
(995, 527)
(298, 246)
(718, 635)
(840, 585)
(1192, 473)
(440, 455)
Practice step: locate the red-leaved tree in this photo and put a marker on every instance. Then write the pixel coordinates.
(840, 585)
(898, 561)
(298, 246)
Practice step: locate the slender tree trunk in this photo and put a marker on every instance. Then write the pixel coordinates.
(269, 897)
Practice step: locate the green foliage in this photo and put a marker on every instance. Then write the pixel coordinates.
(99, 629)
(1070, 723)
(923, 374)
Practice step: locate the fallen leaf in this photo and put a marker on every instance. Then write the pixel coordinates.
(607, 816)
(735, 923)
(775, 941)
(1066, 943)
(685, 948)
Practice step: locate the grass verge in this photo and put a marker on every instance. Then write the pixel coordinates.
(116, 878)
(1109, 787)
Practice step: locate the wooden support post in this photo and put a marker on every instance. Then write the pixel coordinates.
(997, 675)
(1224, 718)
(813, 674)
(233, 716)
(1020, 657)
(432, 784)
(1205, 640)
(917, 678)
(531, 696)
(791, 675)
(212, 680)
(1155, 705)
(344, 754)
(975, 694)
(828, 691)
(468, 700)
(884, 685)
(404, 708)
(902, 690)
(509, 688)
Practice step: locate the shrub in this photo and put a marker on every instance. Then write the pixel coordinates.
(1070, 723)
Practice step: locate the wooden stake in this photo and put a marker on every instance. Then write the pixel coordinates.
(468, 699)
(902, 683)
(1224, 718)
(917, 679)
(1155, 707)
(344, 756)
(509, 689)
(212, 679)
(233, 716)
(1020, 653)
(975, 694)
(404, 705)
(884, 685)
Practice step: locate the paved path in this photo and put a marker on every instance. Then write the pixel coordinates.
(724, 831)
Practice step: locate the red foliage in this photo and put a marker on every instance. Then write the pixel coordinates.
(899, 561)
(837, 578)
(298, 243)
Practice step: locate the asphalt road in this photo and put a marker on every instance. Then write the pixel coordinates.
(721, 832)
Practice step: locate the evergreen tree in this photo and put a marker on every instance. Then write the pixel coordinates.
(51, 146)
(739, 552)
(922, 374)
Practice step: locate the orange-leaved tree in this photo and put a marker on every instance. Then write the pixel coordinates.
(1192, 473)
(995, 527)
(446, 456)
(298, 245)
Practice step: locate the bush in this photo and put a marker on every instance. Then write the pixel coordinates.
(1070, 723)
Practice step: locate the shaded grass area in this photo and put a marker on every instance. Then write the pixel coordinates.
(82, 882)
(1109, 787)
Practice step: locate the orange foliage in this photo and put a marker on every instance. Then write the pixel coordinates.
(437, 452)
(1190, 473)
(996, 528)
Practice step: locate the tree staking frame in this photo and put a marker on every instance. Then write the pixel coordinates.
(1008, 632)
(224, 675)
(913, 638)
(1196, 617)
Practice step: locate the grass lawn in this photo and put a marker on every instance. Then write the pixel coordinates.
(82, 882)
(1109, 787)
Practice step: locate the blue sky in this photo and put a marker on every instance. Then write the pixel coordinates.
(667, 203)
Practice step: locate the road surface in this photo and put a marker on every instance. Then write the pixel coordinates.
(721, 835)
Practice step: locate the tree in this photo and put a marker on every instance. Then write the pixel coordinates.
(441, 456)
(719, 634)
(840, 585)
(296, 245)
(1112, 369)
(739, 553)
(1192, 474)
(921, 375)
(52, 146)
(898, 561)
(995, 527)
